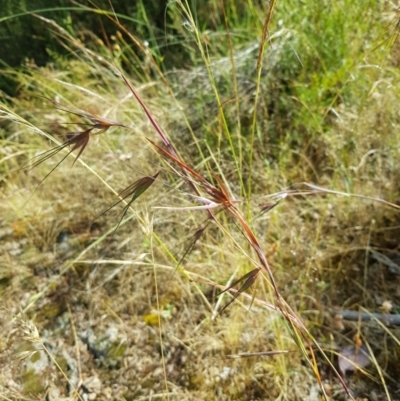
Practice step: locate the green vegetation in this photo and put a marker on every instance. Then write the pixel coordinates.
(234, 184)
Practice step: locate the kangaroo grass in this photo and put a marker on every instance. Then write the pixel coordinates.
(220, 197)
(136, 189)
(97, 122)
(211, 196)
(77, 140)
(248, 280)
(211, 191)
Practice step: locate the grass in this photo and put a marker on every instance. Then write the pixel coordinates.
(132, 305)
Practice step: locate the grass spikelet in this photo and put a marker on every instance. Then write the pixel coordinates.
(77, 140)
(136, 189)
(97, 122)
(248, 280)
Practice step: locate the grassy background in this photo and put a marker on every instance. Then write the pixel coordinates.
(113, 315)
